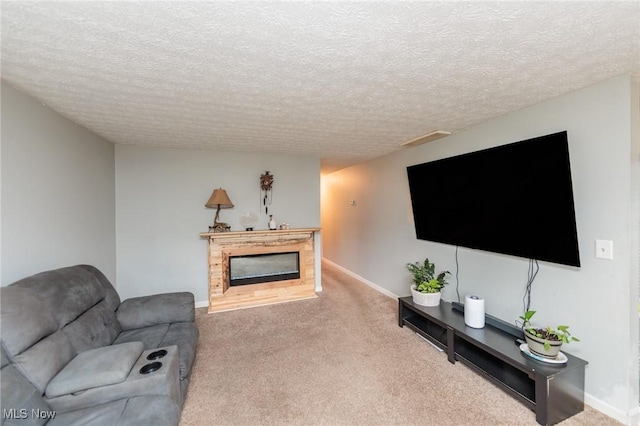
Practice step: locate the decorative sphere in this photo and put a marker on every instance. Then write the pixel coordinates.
(248, 221)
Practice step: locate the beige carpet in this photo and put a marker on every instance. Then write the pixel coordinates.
(340, 359)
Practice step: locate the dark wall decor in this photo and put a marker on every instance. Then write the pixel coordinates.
(266, 190)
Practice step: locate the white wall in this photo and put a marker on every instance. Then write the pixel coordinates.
(58, 192)
(375, 238)
(160, 198)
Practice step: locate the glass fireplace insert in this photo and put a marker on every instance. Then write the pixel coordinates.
(263, 268)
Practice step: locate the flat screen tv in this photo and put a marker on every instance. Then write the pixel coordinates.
(515, 199)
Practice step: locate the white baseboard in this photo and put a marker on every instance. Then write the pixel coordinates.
(630, 419)
(633, 418)
(202, 304)
(359, 278)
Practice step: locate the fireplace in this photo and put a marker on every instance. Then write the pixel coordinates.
(263, 268)
(255, 268)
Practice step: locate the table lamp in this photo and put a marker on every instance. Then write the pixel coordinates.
(220, 200)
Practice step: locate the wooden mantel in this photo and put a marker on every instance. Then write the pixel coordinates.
(263, 232)
(222, 245)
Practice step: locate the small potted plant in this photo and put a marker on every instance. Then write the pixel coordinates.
(426, 284)
(545, 341)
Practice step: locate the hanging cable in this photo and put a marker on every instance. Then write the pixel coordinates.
(531, 275)
(457, 281)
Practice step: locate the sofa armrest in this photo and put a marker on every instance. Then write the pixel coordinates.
(165, 308)
(94, 368)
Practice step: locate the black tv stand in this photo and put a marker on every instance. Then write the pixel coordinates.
(554, 392)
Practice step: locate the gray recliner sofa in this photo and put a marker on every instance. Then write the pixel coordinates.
(70, 346)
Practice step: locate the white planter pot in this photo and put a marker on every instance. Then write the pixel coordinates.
(536, 345)
(425, 299)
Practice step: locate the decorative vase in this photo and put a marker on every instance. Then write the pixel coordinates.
(425, 299)
(536, 345)
(272, 223)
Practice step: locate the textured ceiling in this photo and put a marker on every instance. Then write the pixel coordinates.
(343, 81)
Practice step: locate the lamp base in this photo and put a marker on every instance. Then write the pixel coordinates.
(220, 227)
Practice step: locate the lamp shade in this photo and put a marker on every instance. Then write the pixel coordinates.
(219, 199)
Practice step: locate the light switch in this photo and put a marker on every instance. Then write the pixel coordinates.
(604, 249)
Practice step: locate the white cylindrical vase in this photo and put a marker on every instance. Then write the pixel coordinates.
(474, 311)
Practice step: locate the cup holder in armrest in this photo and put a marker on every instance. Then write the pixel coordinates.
(157, 354)
(150, 368)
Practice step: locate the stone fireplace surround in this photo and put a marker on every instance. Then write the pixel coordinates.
(223, 245)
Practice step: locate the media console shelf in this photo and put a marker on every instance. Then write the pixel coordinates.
(554, 392)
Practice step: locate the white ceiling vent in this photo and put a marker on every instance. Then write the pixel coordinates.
(426, 138)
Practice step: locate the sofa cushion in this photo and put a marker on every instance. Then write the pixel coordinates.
(19, 397)
(151, 337)
(110, 295)
(25, 318)
(96, 367)
(42, 361)
(156, 309)
(95, 328)
(68, 292)
(185, 336)
(103, 414)
(140, 410)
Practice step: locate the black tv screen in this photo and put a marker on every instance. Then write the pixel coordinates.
(515, 199)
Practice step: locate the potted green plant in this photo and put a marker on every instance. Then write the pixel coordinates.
(545, 341)
(426, 284)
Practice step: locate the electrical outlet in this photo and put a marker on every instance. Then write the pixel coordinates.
(604, 249)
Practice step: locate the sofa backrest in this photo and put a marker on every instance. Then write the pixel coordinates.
(49, 317)
(98, 325)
